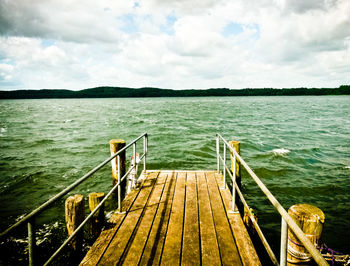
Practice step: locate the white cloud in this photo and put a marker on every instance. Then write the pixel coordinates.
(174, 44)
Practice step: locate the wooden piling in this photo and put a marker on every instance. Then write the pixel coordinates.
(248, 221)
(116, 145)
(237, 146)
(75, 214)
(310, 219)
(97, 221)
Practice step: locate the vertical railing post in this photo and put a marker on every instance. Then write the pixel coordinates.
(144, 152)
(236, 170)
(218, 153)
(224, 170)
(234, 185)
(119, 183)
(31, 241)
(134, 155)
(284, 242)
(134, 170)
(237, 147)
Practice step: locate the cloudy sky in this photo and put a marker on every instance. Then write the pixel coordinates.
(177, 44)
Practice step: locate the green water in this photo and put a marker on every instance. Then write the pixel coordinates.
(47, 144)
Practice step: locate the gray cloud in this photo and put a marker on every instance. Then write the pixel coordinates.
(73, 44)
(300, 6)
(47, 19)
(21, 18)
(183, 6)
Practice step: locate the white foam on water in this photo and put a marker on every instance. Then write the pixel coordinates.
(2, 131)
(281, 151)
(347, 167)
(42, 234)
(109, 215)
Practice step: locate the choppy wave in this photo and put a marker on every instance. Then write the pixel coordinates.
(3, 130)
(54, 142)
(41, 142)
(281, 151)
(43, 236)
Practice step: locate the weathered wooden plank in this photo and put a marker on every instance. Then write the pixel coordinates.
(244, 244)
(191, 244)
(172, 247)
(175, 221)
(209, 245)
(97, 249)
(154, 246)
(135, 251)
(102, 244)
(120, 240)
(228, 249)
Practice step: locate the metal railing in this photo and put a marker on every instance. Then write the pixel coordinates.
(286, 221)
(30, 218)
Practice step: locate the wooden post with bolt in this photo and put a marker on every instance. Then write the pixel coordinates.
(310, 219)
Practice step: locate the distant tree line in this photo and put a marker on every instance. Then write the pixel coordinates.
(121, 92)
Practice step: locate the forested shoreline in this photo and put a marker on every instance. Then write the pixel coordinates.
(123, 92)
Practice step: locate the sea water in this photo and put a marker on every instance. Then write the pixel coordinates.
(298, 146)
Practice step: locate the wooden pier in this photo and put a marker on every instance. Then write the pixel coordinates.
(175, 217)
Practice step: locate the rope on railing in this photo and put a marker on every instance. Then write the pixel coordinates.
(328, 253)
(334, 256)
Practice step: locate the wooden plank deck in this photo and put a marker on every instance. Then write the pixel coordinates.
(176, 217)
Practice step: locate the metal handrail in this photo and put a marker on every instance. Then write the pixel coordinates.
(251, 216)
(31, 216)
(286, 219)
